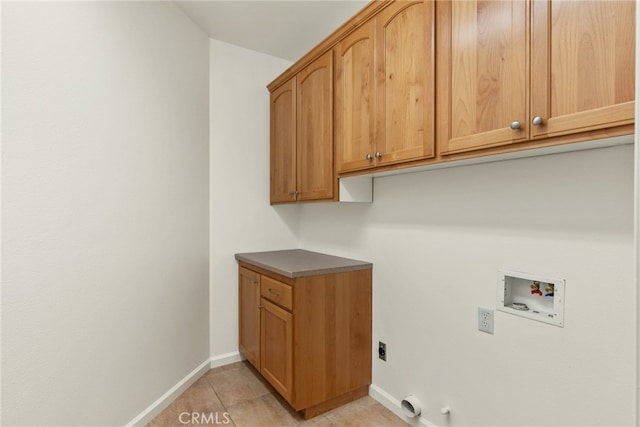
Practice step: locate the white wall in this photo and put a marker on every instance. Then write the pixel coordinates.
(241, 218)
(105, 208)
(437, 239)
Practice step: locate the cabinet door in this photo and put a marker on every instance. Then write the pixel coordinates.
(483, 74)
(405, 55)
(355, 100)
(283, 143)
(249, 313)
(277, 347)
(315, 177)
(583, 65)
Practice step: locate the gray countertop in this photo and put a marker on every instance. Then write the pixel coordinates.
(300, 263)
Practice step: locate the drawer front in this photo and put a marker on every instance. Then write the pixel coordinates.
(277, 292)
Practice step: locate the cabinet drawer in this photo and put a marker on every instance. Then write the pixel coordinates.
(277, 292)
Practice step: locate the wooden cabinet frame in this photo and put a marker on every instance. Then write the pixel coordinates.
(537, 78)
(406, 82)
(318, 355)
(283, 155)
(531, 45)
(384, 91)
(315, 176)
(301, 135)
(355, 99)
(616, 84)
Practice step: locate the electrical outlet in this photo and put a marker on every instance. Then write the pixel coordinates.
(382, 351)
(485, 320)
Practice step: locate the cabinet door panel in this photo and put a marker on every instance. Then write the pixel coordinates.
(355, 100)
(277, 347)
(249, 311)
(283, 143)
(315, 130)
(486, 67)
(404, 33)
(583, 62)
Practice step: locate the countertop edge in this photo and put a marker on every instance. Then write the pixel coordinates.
(358, 265)
(308, 273)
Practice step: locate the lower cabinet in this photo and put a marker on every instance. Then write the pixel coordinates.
(249, 326)
(309, 337)
(276, 336)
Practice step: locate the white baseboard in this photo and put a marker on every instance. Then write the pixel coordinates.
(165, 400)
(393, 404)
(226, 359)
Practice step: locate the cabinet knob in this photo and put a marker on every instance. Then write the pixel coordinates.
(537, 121)
(369, 157)
(294, 193)
(378, 155)
(515, 125)
(260, 307)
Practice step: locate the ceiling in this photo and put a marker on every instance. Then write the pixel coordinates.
(285, 29)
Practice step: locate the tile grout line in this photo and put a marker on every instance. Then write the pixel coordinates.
(224, 406)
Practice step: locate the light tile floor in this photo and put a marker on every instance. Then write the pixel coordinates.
(236, 395)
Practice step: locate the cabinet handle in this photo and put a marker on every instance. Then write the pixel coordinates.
(515, 125)
(260, 307)
(274, 292)
(537, 121)
(369, 157)
(294, 193)
(378, 155)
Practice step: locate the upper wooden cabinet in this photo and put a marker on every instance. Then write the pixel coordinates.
(513, 71)
(483, 83)
(283, 143)
(316, 178)
(582, 65)
(355, 99)
(385, 88)
(302, 135)
(405, 49)
(419, 82)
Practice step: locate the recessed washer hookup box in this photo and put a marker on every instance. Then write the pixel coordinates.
(531, 296)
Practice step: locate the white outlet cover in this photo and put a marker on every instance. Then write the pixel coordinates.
(485, 320)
